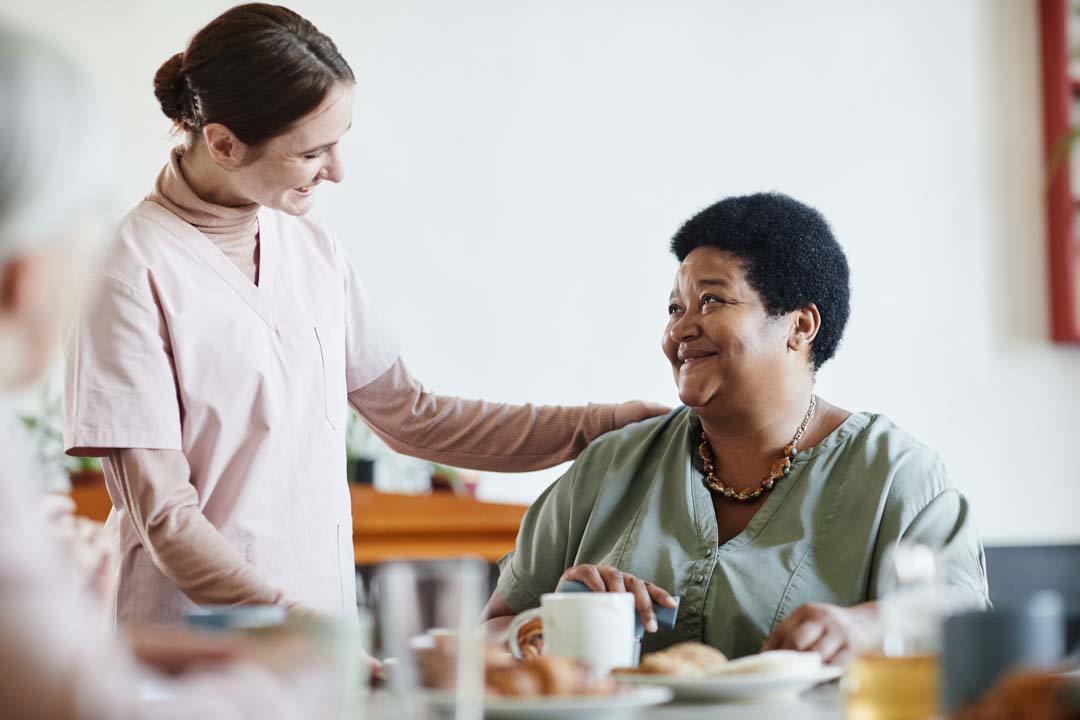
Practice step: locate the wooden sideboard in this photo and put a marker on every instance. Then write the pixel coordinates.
(391, 526)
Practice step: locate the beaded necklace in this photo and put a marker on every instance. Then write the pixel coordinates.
(780, 469)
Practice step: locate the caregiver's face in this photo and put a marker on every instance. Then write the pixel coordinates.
(719, 339)
(289, 167)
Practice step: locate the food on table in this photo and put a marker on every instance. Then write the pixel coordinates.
(530, 638)
(1028, 695)
(546, 677)
(773, 662)
(695, 660)
(687, 659)
(505, 675)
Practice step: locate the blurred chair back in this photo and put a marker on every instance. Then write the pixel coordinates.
(1015, 573)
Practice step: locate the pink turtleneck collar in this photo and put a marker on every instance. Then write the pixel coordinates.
(235, 230)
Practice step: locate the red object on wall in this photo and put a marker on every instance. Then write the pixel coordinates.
(1059, 92)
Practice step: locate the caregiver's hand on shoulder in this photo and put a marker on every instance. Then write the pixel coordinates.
(605, 578)
(836, 633)
(636, 411)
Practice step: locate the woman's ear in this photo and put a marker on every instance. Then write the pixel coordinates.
(227, 150)
(806, 321)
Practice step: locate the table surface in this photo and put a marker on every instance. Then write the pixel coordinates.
(822, 703)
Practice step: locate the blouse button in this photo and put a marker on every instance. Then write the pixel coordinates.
(708, 552)
(691, 611)
(699, 579)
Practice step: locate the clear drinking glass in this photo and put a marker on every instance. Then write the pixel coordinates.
(901, 680)
(428, 613)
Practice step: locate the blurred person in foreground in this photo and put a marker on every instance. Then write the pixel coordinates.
(59, 659)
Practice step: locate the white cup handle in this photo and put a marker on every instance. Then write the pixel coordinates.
(521, 619)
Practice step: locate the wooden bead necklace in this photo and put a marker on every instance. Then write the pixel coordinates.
(780, 469)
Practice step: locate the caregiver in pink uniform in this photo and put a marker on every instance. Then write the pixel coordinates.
(230, 332)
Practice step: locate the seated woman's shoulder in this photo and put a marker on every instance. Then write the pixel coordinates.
(644, 431)
(652, 435)
(906, 464)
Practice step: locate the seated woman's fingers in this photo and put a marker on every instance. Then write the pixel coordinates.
(838, 633)
(659, 595)
(842, 656)
(613, 578)
(605, 578)
(829, 645)
(779, 634)
(642, 601)
(588, 575)
(804, 636)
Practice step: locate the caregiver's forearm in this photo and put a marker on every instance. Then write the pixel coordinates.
(474, 433)
(156, 491)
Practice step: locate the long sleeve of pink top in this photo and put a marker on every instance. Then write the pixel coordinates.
(154, 486)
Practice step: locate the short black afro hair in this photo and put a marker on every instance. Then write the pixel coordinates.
(789, 255)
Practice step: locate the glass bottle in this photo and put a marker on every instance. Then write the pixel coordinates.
(900, 680)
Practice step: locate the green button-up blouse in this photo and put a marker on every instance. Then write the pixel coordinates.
(635, 499)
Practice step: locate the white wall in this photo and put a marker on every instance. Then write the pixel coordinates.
(516, 169)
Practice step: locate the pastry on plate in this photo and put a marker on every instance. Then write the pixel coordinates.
(773, 662)
(687, 659)
(530, 638)
(545, 677)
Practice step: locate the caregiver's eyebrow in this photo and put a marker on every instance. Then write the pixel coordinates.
(326, 146)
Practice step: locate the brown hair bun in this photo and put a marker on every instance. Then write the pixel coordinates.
(170, 89)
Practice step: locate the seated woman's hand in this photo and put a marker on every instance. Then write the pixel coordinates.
(836, 633)
(605, 578)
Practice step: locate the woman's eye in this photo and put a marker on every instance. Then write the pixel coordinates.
(672, 309)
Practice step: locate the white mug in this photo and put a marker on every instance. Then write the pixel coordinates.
(595, 628)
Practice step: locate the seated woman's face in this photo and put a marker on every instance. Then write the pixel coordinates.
(720, 339)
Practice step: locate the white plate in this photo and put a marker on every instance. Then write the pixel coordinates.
(620, 705)
(755, 687)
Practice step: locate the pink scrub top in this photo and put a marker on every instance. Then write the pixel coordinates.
(179, 350)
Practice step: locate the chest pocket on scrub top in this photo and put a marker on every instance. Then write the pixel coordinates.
(332, 354)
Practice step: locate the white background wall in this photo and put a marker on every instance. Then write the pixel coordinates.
(516, 168)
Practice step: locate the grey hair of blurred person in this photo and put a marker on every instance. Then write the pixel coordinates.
(50, 143)
(53, 153)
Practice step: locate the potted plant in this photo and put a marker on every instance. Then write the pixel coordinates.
(398, 473)
(453, 480)
(362, 448)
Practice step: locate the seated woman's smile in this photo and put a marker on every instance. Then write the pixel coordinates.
(768, 509)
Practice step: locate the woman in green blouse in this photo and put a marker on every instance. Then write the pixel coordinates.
(768, 509)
